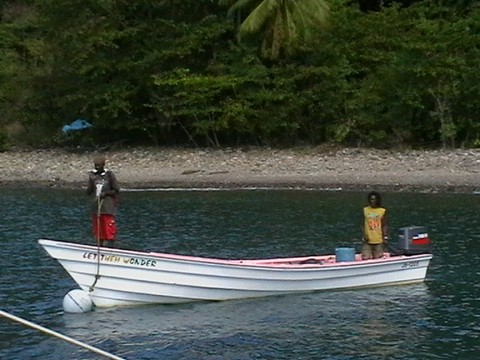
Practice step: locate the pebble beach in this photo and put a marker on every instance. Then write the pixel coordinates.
(353, 169)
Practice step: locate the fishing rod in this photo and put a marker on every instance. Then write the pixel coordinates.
(97, 275)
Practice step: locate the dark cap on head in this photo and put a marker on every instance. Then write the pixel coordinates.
(99, 160)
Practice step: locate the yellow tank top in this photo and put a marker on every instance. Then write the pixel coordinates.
(373, 224)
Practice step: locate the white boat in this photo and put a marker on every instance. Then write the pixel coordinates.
(122, 277)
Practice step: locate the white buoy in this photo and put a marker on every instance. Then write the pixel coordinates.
(77, 301)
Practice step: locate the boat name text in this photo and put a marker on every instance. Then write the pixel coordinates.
(411, 264)
(120, 259)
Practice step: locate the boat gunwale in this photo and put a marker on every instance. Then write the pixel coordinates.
(291, 263)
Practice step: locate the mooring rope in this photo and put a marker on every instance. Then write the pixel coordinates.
(58, 335)
(97, 275)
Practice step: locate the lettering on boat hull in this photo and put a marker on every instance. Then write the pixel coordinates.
(120, 259)
(411, 264)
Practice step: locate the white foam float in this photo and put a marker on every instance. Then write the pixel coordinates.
(77, 301)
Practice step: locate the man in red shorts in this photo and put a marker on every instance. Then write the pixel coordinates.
(103, 185)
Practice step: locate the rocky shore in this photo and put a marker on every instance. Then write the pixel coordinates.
(315, 168)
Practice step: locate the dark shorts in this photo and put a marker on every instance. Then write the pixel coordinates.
(104, 227)
(372, 251)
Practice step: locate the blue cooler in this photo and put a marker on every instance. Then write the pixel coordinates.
(344, 254)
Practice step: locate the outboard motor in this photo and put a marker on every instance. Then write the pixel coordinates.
(413, 240)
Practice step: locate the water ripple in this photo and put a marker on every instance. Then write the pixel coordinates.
(435, 320)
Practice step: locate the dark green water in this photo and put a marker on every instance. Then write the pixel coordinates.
(439, 319)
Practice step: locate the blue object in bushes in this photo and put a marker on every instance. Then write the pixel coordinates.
(79, 124)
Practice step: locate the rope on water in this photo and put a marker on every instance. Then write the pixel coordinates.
(58, 335)
(97, 275)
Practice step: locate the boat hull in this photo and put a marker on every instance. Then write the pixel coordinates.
(116, 277)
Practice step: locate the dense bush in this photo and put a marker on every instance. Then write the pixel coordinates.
(175, 73)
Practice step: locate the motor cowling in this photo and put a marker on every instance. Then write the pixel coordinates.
(413, 240)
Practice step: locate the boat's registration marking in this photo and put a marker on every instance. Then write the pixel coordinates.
(120, 259)
(411, 264)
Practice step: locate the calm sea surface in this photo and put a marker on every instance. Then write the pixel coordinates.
(439, 319)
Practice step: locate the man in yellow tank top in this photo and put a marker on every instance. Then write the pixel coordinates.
(374, 227)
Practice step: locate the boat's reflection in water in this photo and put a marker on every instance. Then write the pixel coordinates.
(374, 318)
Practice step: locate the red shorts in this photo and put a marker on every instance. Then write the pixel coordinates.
(107, 226)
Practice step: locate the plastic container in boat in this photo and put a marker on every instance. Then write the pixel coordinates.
(344, 254)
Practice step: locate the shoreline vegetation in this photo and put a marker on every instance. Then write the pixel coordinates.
(322, 168)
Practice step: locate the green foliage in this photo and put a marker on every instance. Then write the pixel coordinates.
(246, 103)
(4, 143)
(408, 70)
(285, 25)
(172, 72)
